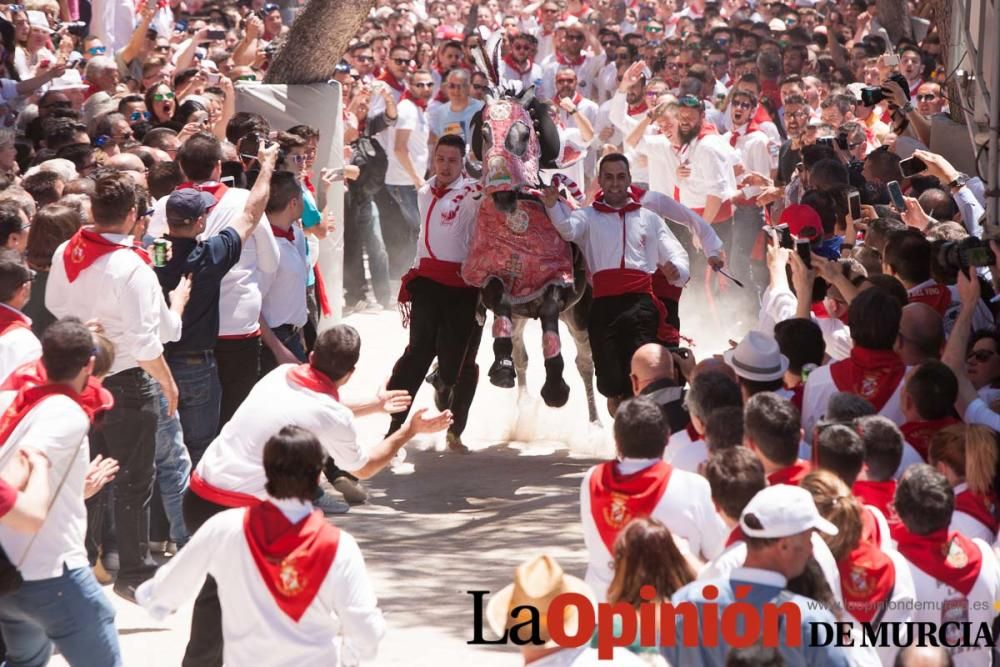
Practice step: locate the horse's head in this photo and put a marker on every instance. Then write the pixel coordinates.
(513, 137)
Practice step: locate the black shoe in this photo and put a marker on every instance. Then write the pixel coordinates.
(502, 373)
(126, 589)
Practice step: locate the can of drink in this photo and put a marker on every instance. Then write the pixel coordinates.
(160, 250)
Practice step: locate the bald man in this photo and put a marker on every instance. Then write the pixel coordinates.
(653, 374)
(923, 656)
(130, 163)
(921, 334)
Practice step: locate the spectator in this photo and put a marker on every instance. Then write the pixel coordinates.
(18, 344)
(709, 391)
(52, 226)
(967, 456)
(772, 430)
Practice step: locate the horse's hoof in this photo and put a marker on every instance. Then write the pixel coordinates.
(555, 393)
(443, 397)
(502, 374)
(455, 443)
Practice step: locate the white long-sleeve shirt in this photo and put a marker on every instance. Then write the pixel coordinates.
(642, 171)
(120, 291)
(648, 244)
(253, 626)
(446, 239)
(667, 208)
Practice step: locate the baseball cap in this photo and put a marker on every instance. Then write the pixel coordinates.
(803, 221)
(188, 204)
(782, 511)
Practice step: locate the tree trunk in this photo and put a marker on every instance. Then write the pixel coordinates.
(894, 17)
(317, 40)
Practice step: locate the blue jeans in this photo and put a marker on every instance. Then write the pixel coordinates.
(406, 237)
(69, 611)
(173, 468)
(197, 378)
(290, 337)
(363, 235)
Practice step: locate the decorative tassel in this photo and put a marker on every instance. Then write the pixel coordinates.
(404, 313)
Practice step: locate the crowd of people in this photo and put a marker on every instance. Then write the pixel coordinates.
(765, 164)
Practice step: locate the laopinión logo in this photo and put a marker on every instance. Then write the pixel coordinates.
(739, 625)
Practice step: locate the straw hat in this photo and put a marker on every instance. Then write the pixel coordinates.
(757, 358)
(536, 583)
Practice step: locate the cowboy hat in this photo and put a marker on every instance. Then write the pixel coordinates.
(536, 583)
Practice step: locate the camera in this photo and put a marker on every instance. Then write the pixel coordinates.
(75, 28)
(966, 253)
(872, 95)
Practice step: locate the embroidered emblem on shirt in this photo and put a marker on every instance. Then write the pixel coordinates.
(289, 580)
(955, 556)
(617, 515)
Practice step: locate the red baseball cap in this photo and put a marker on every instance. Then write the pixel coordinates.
(803, 222)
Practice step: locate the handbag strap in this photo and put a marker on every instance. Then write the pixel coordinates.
(55, 496)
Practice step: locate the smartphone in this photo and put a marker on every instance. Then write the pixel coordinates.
(785, 239)
(803, 248)
(213, 78)
(216, 35)
(912, 166)
(229, 181)
(896, 195)
(854, 204)
(890, 60)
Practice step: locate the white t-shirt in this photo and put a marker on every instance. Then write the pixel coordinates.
(234, 460)
(17, 347)
(284, 291)
(409, 117)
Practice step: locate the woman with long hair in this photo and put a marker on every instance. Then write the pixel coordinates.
(162, 103)
(967, 456)
(875, 584)
(645, 554)
(53, 225)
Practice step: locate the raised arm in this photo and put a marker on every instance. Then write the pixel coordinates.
(246, 223)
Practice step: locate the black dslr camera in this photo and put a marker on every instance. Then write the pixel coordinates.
(969, 252)
(872, 95)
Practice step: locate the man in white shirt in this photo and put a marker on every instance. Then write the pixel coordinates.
(283, 308)
(623, 244)
(572, 55)
(18, 344)
(408, 156)
(640, 484)
(59, 601)
(100, 275)
(709, 391)
(442, 306)
(231, 474)
(957, 578)
(246, 551)
(238, 349)
(517, 64)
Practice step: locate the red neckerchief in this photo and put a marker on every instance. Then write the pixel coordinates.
(287, 234)
(752, 126)
(11, 319)
(293, 559)
(217, 190)
(692, 433)
(872, 374)
(937, 296)
(632, 204)
(981, 507)
(389, 78)
(761, 115)
(616, 499)
(308, 182)
(639, 109)
(511, 63)
(919, 433)
(576, 62)
(94, 399)
(421, 104)
(735, 535)
(26, 399)
(879, 495)
(948, 557)
(308, 377)
(791, 475)
(798, 391)
(85, 247)
(867, 577)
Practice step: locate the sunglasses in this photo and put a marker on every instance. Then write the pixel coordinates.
(97, 50)
(926, 98)
(742, 105)
(980, 355)
(654, 28)
(401, 61)
(139, 115)
(422, 85)
(689, 101)
(478, 86)
(160, 97)
(576, 37)
(565, 80)
(271, 7)
(364, 59)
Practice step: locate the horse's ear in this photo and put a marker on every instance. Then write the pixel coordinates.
(477, 135)
(527, 97)
(547, 133)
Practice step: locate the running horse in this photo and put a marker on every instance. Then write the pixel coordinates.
(516, 257)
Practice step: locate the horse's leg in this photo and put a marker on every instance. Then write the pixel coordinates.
(520, 352)
(495, 298)
(555, 391)
(576, 322)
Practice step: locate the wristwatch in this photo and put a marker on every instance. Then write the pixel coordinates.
(959, 181)
(908, 107)
(573, 111)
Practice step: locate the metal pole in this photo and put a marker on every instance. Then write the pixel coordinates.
(993, 174)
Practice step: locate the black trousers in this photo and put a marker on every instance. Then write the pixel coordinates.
(442, 324)
(238, 360)
(127, 432)
(618, 326)
(468, 380)
(204, 647)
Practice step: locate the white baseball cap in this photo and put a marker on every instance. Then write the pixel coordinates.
(782, 511)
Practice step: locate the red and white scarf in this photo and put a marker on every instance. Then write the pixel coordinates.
(309, 378)
(421, 104)
(86, 247)
(871, 374)
(919, 433)
(980, 506)
(879, 495)
(293, 558)
(11, 319)
(791, 475)
(951, 558)
(616, 499)
(867, 577)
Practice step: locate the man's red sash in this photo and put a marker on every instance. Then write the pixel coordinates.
(86, 247)
(872, 374)
(918, 434)
(951, 558)
(293, 559)
(616, 499)
(791, 475)
(867, 577)
(981, 507)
